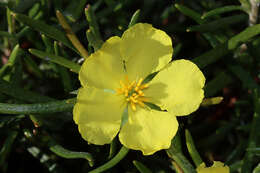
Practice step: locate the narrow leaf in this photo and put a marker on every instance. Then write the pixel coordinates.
(222, 10)
(68, 154)
(134, 18)
(218, 24)
(141, 167)
(120, 155)
(211, 101)
(216, 84)
(192, 149)
(38, 108)
(93, 25)
(176, 154)
(22, 94)
(57, 59)
(225, 48)
(44, 28)
(93, 41)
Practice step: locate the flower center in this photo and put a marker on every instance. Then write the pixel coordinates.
(133, 92)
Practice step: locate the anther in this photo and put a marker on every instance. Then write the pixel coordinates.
(140, 103)
(140, 93)
(133, 106)
(139, 82)
(133, 99)
(144, 86)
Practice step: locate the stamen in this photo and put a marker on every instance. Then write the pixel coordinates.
(133, 92)
(140, 93)
(144, 86)
(139, 82)
(143, 99)
(132, 99)
(140, 103)
(133, 106)
(131, 85)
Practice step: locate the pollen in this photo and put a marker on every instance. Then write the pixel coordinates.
(133, 92)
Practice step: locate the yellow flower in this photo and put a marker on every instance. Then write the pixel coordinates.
(217, 167)
(112, 80)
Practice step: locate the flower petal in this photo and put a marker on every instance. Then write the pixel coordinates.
(104, 68)
(177, 88)
(215, 168)
(145, 50)
(98, 114)
(148, 130)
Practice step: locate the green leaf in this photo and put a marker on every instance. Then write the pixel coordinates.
(244, 76)
(218, 24)
(120, 155)
(44, 28)
(222, 10)
(75, 10)
(22, 94)
(225, 48)
(134, 18)
(253, 136)
(93, 25)
(56, 59)
(38, 108)
(175, 152)
(6, 148)
(93, 41)
(68, 154)
(257, 169)
(189, 12)
(141, 167)
(64, 74)
(16, 52)
(213, 39)
(32, 66)
(216, 84)
(211, 101)
(6, 34)
(192, 149)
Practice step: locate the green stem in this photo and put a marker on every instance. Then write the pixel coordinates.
(38, 108)
(120, 155)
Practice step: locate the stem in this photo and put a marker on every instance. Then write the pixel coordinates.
(70, 34)
(120, 155)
